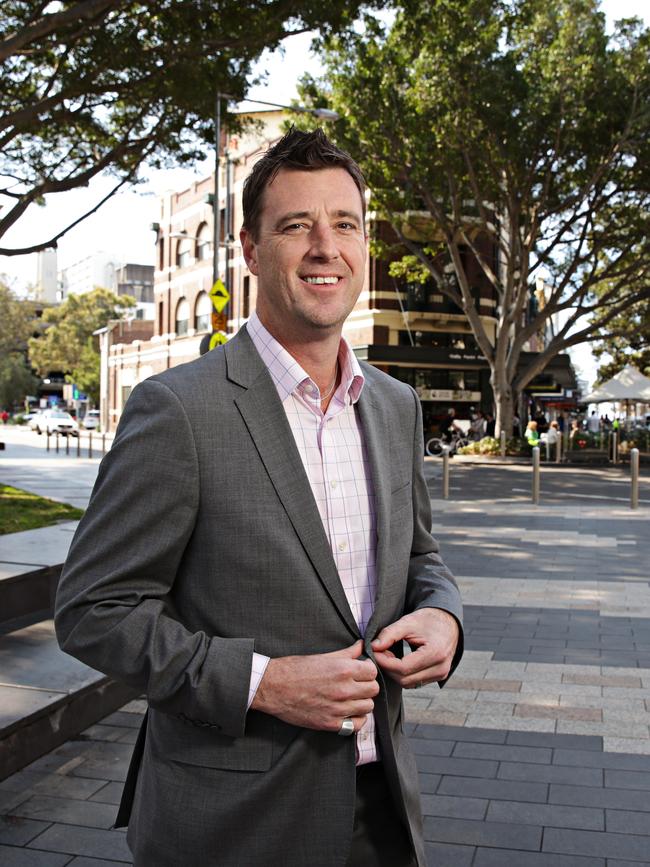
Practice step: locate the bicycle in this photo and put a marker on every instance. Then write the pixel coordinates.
(438, 446)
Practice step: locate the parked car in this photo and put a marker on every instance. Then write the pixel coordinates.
(91, 420)
(55, 421)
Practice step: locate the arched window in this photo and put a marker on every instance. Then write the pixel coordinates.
(184, 255)
(182, 316)
(204, 243)
(202, 311)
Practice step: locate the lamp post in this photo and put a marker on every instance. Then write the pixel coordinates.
(323, 113)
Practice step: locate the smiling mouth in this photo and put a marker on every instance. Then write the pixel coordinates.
(320, 281)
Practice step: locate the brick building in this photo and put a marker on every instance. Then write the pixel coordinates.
(410, 331)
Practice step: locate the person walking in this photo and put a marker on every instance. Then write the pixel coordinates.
(261, 594)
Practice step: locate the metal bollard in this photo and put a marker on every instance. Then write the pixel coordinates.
(103, 444)
(67, 444)
(634, 476)
(614, 447)
(57, 441)
(536, 475)
(90, 444)
(558, 451)
(79, 444)
(502, 437)
(445, 475)
(47, 441)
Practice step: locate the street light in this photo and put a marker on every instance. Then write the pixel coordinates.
(323, 113)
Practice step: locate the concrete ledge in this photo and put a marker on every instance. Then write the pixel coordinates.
(29, 593)
(54, 722)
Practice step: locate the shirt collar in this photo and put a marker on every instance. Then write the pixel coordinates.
(288, 375)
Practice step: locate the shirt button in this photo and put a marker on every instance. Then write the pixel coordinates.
(364, 736)
(343, 546)
(334, 484)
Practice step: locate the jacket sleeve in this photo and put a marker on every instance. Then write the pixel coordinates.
(430, 583)
(113, 609)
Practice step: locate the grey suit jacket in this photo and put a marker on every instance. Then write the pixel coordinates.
(202, 543)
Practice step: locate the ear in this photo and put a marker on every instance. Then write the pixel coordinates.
(249, 249)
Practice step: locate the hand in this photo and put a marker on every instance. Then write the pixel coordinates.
(321, 690)
(432, 635)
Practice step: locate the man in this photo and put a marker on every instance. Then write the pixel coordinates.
(256, 550)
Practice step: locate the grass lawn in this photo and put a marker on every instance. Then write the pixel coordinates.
(20, 510)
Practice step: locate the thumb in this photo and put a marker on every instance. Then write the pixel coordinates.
(388, 636)
(354, 651)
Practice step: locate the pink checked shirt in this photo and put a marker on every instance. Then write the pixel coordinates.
(333, 453)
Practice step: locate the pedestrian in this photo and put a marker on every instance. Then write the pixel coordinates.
(261, 596)
(5, 416)
(531, 433)
(450, 426)
(516, 425)
(490, 425)
(477, 426)
(593, 423)
(551, 438)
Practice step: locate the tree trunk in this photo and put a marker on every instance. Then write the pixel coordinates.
(504, 398)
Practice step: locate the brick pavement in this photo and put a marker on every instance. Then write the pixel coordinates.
(536, 754)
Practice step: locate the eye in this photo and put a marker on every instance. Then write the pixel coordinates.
(293, 227)
(346, 227)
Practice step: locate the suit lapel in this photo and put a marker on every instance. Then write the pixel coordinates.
(375, 432)
(266, 420)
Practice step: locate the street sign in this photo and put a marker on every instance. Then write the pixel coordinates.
(219, 321)
(217, 339)
(220, 295)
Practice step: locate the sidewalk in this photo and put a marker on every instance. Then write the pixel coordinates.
(537, 752)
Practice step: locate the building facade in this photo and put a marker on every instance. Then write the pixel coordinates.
(411, 331)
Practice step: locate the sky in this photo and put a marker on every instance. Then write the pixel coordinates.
(122, 226)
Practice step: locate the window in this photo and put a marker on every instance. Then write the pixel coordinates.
(204, 243)
(182, 317)
(202, 312)
(184, 253)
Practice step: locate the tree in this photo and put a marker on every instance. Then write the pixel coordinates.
(68, 343)
(107, 85)
(515, 126)
(17, 317)
(631, 345)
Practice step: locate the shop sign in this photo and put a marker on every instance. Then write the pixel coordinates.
(448, 394)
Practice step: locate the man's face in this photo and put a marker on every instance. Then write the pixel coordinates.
(310, 253)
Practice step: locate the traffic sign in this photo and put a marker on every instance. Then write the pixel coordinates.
(217, 339)
(219, 321)
(220, 295)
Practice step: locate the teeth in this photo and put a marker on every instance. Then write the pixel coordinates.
(321, 279)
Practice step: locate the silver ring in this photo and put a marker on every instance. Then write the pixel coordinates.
(347, 727)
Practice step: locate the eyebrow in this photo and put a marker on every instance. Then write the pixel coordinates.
(301, 215)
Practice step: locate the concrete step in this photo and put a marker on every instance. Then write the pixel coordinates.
(46, 696)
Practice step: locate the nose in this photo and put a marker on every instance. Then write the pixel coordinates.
(323, 242)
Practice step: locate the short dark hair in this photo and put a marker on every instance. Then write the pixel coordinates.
(301, 151)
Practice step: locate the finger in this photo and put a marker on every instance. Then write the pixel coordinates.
(354, 651)
(428, 675)
(365, 670)
(388, 636)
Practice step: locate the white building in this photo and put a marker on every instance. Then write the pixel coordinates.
(46, 276)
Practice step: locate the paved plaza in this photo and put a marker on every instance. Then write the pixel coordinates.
(537, 752)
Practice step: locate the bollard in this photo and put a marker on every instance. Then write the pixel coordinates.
(445, 475)
(634, 476)
(90, 444)
(67, 444)
(57, 441)
(558, 451)
(79, 445)
(47, 441)
(502, 437)
(614, 447)
(536, 475)
(103, 444)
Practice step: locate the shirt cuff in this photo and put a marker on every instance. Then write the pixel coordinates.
(257, 673)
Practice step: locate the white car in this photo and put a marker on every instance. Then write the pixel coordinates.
(91, 420)
(53, 421)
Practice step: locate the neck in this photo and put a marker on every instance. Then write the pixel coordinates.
(317, 354)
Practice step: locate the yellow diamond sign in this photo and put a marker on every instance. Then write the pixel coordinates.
(220, 295)
(217, 339)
